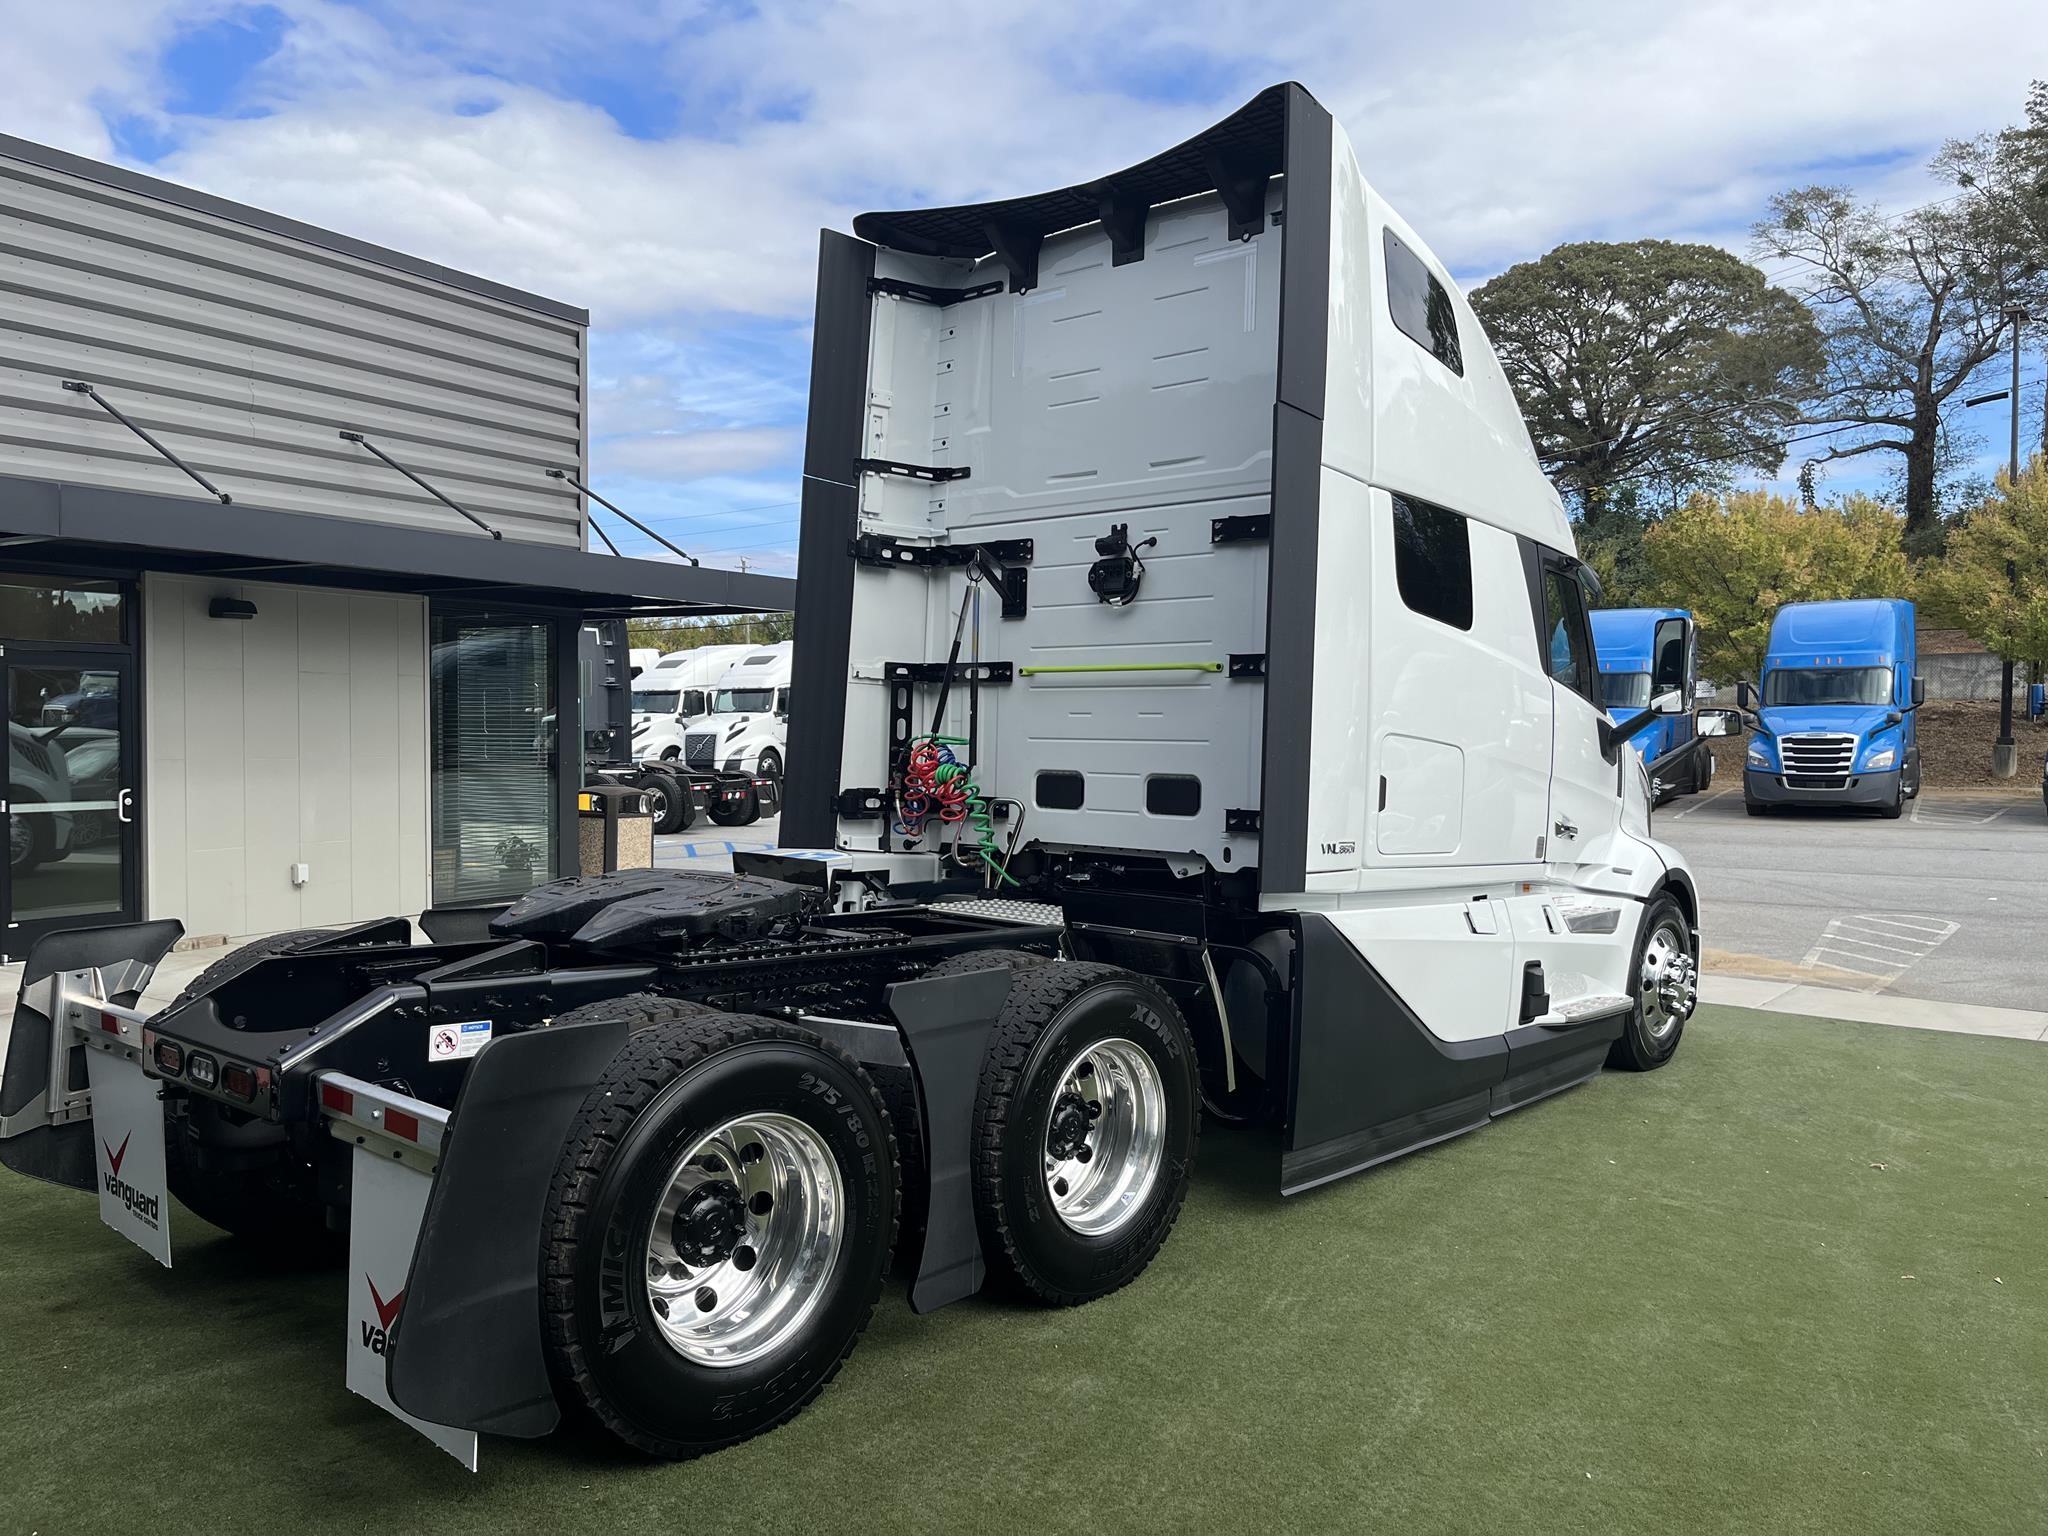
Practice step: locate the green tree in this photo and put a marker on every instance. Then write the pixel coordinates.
(667, 635)
(1993, 582)
(1735, 560)
(1651, 362)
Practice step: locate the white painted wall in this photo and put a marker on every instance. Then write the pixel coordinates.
(299, 736)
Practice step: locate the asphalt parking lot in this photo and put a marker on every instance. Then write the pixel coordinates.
(707, 845)
(1950, 902)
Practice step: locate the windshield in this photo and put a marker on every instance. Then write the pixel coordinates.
(737, 701)
(1625, 690)
(1829, 685)
(656, 701)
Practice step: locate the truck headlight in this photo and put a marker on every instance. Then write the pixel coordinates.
(1758, 757)
(1881, 757)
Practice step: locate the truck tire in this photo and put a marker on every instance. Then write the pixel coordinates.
(667, 800)
(754, 1164)
(1084, 1130)
(1895, 807)
(770, 765)
(745, 814)
(986, 959)
(239, 960)
(1666, 982)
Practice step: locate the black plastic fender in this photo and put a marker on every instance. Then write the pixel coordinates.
(467, 1350)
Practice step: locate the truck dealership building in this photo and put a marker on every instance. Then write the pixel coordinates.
(293, 566)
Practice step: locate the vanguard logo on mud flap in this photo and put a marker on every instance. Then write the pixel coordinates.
(143, 1207)
(377, 1335)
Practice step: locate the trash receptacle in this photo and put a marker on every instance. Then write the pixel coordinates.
(613, 829)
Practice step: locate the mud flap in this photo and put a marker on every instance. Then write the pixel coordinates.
(46, 1113)
(385, 1206)
(946, 1023)
(128, 1140)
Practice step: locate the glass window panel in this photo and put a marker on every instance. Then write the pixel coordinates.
(70, 610)
(493, 702)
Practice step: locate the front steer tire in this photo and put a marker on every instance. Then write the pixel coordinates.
(684, 1072)
(1057, 1014)
(1650, 1035)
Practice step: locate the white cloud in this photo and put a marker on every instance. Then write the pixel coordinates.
(1497, 132)
(690, 455)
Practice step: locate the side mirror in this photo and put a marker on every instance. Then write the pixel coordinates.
(1745, 696)
(1893, 717)
(1667, 645)
(1919, 691)
(1670, 702)
(1720, 722)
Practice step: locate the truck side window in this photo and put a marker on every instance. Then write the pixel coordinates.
(1567, 646)
(1421, 307)
(1433, 562)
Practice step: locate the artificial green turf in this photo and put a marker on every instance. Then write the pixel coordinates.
(1797, 1280)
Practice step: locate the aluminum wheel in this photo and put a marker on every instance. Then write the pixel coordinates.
(1669, 984)
(21, 840)
(746, 1235)
(1105, 1140)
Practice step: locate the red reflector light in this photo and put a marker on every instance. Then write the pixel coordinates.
(339, 1100)
(238, 1081)
(170, 1058)
(110, 1024)
(402, 1125)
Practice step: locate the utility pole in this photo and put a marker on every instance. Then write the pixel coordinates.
(2005, 752)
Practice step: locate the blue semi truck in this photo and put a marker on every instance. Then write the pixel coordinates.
(1834, 709)
(1627, 642)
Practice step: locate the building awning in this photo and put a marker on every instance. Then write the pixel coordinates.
(46, 522)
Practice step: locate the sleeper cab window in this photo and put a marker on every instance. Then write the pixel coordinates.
(1567, 646)
(1433, 561)
(1421, 306)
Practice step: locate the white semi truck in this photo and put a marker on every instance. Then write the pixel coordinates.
(1196, 715)
(745, 726)
(673, 691)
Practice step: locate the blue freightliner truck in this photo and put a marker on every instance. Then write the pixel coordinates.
(1626, 641)
(1834, 709)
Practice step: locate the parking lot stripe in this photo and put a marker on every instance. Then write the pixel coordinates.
(1699, 802)
(1848, 938)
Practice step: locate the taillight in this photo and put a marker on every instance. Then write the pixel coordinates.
(202, 1069)
(170, 1058)
(238, 1081)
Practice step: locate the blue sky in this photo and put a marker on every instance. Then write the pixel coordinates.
(667, 163)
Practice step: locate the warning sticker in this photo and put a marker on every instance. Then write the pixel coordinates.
(457, 1042)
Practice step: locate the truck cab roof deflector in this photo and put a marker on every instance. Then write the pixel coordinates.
(1236, 158)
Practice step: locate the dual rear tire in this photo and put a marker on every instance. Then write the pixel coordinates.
(723, 1215)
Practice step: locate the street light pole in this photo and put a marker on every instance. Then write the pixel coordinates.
(2005, 756)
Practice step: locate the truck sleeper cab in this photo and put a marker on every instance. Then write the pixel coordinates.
(1835, 706)
(1675, 754)
(1197, 712)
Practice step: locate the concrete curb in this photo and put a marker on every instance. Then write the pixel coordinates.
(1772, 996)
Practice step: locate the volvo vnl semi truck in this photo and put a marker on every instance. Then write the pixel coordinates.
(1630, 643)
(1835, 708)
(1197, 716)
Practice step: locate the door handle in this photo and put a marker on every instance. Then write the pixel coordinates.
(1564, 827)
(124, 803)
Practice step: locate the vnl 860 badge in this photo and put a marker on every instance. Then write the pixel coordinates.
(457, 1041)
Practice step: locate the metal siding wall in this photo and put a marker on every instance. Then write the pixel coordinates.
(246, 351)
(299, 735)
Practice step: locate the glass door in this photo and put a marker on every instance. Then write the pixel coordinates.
(71, 813)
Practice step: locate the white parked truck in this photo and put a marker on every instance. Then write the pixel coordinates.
(1196, 713)
(745, 729)
(674, 690)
